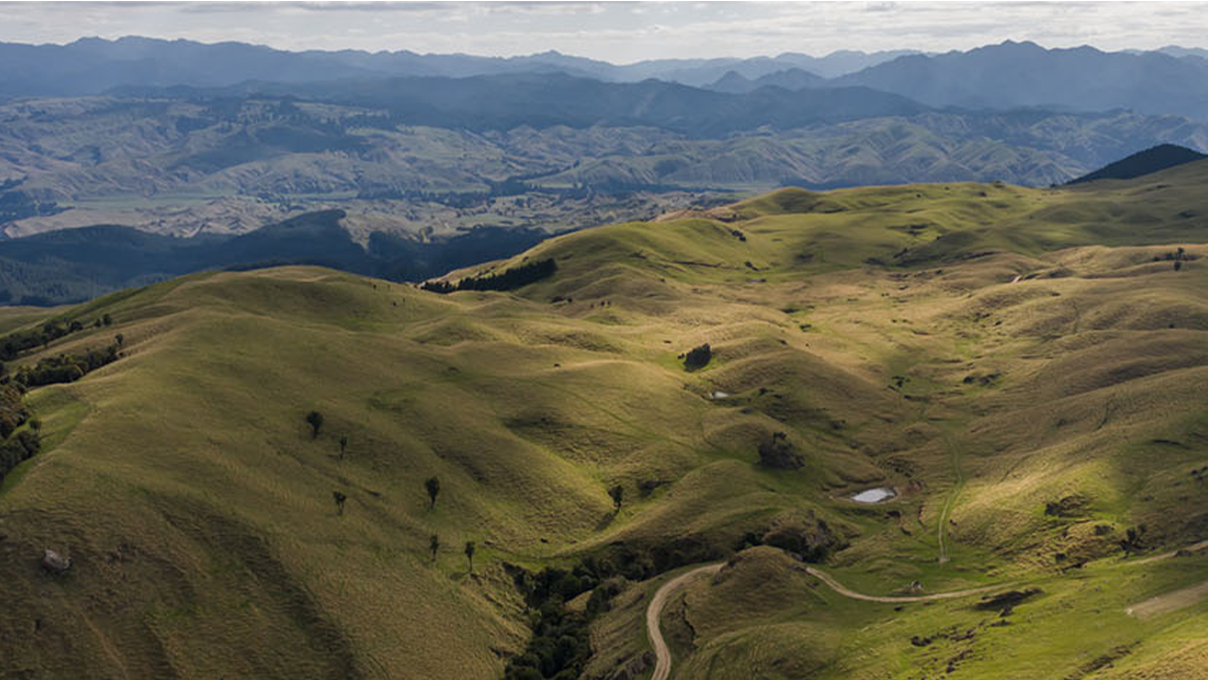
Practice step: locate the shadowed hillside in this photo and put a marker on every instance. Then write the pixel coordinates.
(1143, 163)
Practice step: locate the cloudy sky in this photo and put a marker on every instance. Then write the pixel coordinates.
(621, 32)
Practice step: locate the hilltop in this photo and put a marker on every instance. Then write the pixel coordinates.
(1026, 368)
(1143, 163)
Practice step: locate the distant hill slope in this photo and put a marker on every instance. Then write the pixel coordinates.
(72, 265)
(1144, 162)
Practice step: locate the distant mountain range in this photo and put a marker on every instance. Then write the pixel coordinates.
(505, 102)
(94, 65)
(1009, 75)
(1015, 75)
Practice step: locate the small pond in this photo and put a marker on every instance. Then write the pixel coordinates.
(877, 495)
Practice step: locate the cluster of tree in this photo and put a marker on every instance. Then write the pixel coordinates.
(510, 279)
(698, 357)
(64, 367)
(15, 343)
(808, 536)
(561, 642)
(1134, 540)
(13, 411)
(18, 449)
(1177, 256)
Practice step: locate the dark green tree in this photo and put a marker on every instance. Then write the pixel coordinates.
(433, 546)
(315, 420)
(120, 339)
(470, 554)
(339, 499)
(618, 494)
(698, 357)
(433, 487)
(343, 445)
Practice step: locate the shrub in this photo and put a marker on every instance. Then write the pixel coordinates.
(17, 450)
(64, 367)
(698, 357)
(315, 420)
(12, 409)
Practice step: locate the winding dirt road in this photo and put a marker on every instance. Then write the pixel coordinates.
(662, 665)
(847, 592)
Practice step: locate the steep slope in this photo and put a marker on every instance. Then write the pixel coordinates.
(1144, 162)
(1026, 368)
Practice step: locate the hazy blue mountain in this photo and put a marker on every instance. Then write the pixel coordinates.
(733, 83)
(505, 102)
(1008, 75)
(94, 65)
(841, 62)
(789, 79)
(1176, 51)
(1143, 163)
(1012, 75)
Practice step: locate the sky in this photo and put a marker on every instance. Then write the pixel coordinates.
(620, 32)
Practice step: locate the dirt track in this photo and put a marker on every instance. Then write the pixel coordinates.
(662, 665)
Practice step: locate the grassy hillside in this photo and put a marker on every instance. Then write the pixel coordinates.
(1027, 369)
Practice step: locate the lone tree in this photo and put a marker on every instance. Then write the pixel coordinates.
(1133, 540)
(315, 420)
(119, 338)
(433, 546)
(618, 494)
(433, 487)
(698, 357)
(470, 554)
(343, 445)
(339, 499)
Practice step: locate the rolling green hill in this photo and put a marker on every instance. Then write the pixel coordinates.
(1026, 368)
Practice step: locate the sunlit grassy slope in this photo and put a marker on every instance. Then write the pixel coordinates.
(985, 349)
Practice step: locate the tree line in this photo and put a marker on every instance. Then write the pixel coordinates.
(515, 277)
(13, 344)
